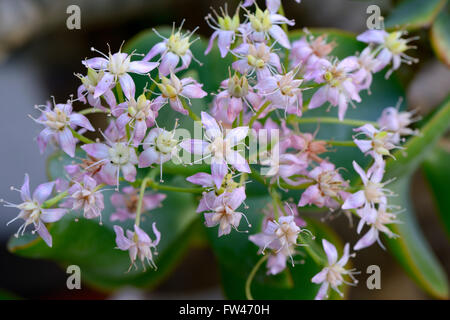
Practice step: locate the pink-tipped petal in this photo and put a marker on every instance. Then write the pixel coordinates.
(96, 63)
(168, 63)
(367, 240)
(218, 171)
(155, 50)
(157, 234)
(212, 128)
(44, 234)
(81, 121)
(236, 135)
(105, 83)
(280, 36)
(142, 67)
(52, 215)
(193, 91)
(224, 42)
(319, 98)
(322, 293)
(96, 150)
(122, 242)
(201, 178)
(330, 251)
(236, 198)
(43, 191)
(211, 41)
(354, 201)
(372, 36)
(67, 142)
(25, 189)
(148, 157)
(237, 161)
(127, 84)
(129, 172)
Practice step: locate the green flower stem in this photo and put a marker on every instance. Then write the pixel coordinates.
(92, 110)
(56, 199)
(248, 283)
(171, 168)
(243, 179)
(144, 183)
(191, 113)
(258, 113)
(275, 203)
(349, 143)
(119, 92)
(53, 201)
(158, 186)
(297, 187)
(256, 176)
(347, 122)
(81, 137)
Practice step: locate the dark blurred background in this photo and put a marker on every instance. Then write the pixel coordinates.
(38, 57)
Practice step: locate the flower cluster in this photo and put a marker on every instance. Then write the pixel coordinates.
(263, 95)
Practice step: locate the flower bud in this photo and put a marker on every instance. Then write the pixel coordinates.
(238, 86)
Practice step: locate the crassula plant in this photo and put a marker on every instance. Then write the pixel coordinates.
(242, 142)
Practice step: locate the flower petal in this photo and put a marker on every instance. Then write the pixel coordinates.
(212, 128)
(43, 191)
(155, 50)
(201, 178)
(280, 36)
(67, 142)
(168, 63)
(96, 150)
(44, 234)
(148, 157)
(81, 121)
(122, 242)
(142, 67)
(330, 251)
(194, 146)
(96, 63)
(319, 98)
(25, 189)
(52, 215)
(234, 136)
(355, 200)
(129, 172)
(218, 171)
(237, 161)
(127, 84)
(105, 83)
(367, 240)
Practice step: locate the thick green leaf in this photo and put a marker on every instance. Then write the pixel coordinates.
(440, 36)
(92, 247)
(237, 256)
(411, 249)
(437, 171)
(414, 14)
